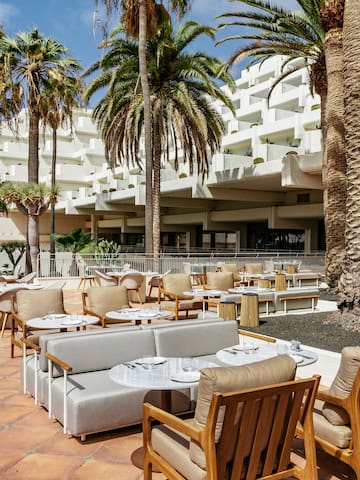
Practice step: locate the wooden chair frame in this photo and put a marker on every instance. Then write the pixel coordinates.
(102, 318)
(242, 448)
(351, 404)
(174, 297)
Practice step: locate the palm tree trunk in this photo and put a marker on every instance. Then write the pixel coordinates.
(350, 280)
(156, 191)
(52, 207)
(33, 239)
(334, 171)
(147, 127)
(33, 146)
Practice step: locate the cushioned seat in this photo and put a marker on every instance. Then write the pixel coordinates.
(172, 289)
(99, 300)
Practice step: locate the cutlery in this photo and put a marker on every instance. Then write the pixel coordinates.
(233, 352)
(129, 365)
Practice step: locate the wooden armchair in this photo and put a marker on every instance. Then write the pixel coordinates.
(243, 434)
(337, 412)
(172, 288)
(99, 300)
(27, 304)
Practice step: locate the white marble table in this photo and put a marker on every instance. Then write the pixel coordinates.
(204, 294)
(62, 322)
(137, 315)
(250, 352)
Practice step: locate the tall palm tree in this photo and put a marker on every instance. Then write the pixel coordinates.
(140, 20)
(60, 96)
(307, 34)
(32, 200)
(29, 61)
(180, 86)
(350, 298)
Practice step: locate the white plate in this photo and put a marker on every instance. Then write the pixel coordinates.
(186, 377)
(244, 348)
(58, 315)
(148, 315)
(151, 360)
(297, 358)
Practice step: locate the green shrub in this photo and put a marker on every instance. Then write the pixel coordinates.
(258, 160)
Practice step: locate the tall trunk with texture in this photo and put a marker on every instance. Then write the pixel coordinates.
(350, 280)
(33, 239)
(334, 160)
(156, 191)
(52, 208)
(147, 128)
(33, 141)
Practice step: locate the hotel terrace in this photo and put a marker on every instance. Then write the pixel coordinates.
(263, 191)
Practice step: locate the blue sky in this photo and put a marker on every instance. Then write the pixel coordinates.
(71, 22)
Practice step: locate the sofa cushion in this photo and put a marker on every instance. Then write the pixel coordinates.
(219, 280)
(89, 353)
(105, 299)
(231, 379)
(178, 283)
(195, 340)
(342, 385)
(37, 303)
(231, 267)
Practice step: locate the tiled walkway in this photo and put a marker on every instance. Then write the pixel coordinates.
(32, 446)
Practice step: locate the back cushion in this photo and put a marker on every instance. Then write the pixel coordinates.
(105, 299)
(99, 352)
(178, 283)
(37, 303)
(342, 385)
(195, 340)
(219, 280)
(254, 268)
(232, 379)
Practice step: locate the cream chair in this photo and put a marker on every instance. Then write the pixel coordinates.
(172, 289)
(133, 281)
(5, 307)
(27, 304)
(233, 268)
(104, 280)
(337, 412)
(155, 281)
(29, 278)
(244, 424)
(99, 300)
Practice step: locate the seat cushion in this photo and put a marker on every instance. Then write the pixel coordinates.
(37, 303)
(254, 268)
(105, 299)
(232, 379)
(233, 268)
(339, 435)
(342, 385)
(188, 304)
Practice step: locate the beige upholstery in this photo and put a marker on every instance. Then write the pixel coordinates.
(99, 300)
(254, 268)
(133, 282)
(339, 435)
(219, 280)
(104, 280)
(342, 385)
(231, 267)
(228, 379)
(37, 303)
(29, 278)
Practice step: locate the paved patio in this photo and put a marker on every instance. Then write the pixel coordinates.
(32, 446)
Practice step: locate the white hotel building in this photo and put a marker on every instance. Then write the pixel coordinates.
(264, 190)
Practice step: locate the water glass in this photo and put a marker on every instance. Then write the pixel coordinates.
(295, 346)
(282, 349)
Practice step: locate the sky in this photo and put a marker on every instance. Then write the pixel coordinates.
(71, 22)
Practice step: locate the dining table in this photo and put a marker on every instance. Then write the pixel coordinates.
(205, 295)
(138, 315)
(62, 321)
(159, 373)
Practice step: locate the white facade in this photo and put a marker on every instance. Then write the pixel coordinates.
(269, 171)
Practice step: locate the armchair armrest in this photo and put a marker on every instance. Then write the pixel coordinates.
(325, 396)
(172, 295)
(150, 412)
(102, 318)
(257, 336)
(31, 345)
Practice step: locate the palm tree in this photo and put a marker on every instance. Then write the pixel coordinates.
(32, 200)
(28, 62)
(140, 20)
(307, 34)
(350, 292)
(59, 98)
(181, 112)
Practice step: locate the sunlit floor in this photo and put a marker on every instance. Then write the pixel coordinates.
(32, 446)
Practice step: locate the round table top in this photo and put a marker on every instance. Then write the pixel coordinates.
(159, 373)
(249, 353)
(59, 320)
(137, 314)
(7, 287)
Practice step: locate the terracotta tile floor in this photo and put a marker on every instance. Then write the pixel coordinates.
(32, 446)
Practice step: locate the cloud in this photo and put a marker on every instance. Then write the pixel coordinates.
(7, 11)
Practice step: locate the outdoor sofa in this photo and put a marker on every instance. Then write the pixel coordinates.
(88, 401)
